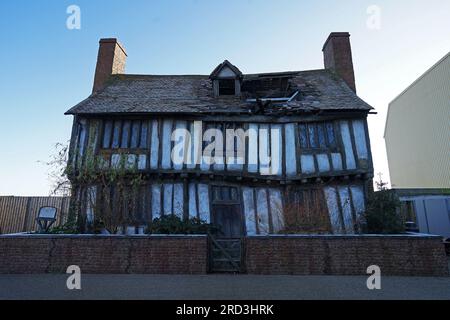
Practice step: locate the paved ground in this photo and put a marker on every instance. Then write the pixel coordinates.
(220, 287)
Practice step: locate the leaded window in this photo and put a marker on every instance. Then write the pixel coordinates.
(125, 134)
(317, 135)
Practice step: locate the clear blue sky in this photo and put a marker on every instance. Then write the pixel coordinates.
(47, 68)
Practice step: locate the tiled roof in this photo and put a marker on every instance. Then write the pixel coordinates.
(158, 94)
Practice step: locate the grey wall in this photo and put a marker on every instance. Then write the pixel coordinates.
(433, 214)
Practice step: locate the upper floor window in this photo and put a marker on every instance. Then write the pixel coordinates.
(227, 87)
(224, 194)
(317, 135)
(125, 134)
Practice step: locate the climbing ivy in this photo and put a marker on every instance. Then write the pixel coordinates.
(113, 201)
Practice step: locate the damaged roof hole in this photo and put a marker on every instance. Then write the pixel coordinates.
(280, 99)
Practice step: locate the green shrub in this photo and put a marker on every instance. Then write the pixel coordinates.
(171, 224)
(382, 215)
(69, 227)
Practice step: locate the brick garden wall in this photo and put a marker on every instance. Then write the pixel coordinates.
(346, 255)
(276, 254)
(104, 254)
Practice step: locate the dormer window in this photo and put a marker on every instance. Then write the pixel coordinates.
(227, 87)
(226, 80)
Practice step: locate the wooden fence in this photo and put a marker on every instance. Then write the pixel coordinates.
(18, 214)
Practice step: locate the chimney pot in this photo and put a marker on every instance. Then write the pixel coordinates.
(111, 60)
(337, 54)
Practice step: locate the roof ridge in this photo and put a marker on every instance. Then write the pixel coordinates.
(136, 75)
(131, 75)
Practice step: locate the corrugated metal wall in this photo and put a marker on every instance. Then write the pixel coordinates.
(418, 131)
(18, 214)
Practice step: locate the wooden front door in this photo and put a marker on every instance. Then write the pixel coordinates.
(226, 246)
(227, 218)
(226, 212)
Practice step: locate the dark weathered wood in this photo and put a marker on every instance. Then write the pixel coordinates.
(283, 150)
(186, 199)
(197, 202)
(84, 143)
(241, 117)
(352, 207)
(341, 146)
(369, 149)
(352, 139)
(227, 216)
(247, 145)
(73, 143)
(223, 255)
(160, 144)
(173, 123)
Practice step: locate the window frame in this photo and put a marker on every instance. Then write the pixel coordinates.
(221, 199)
(119, 145)
(321, 136)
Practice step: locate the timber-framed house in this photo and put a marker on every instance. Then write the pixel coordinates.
(306, 164)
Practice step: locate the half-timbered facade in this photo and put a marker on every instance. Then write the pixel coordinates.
(297, 157)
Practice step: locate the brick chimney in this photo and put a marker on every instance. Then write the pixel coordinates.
(110, 60)
(337, 56)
